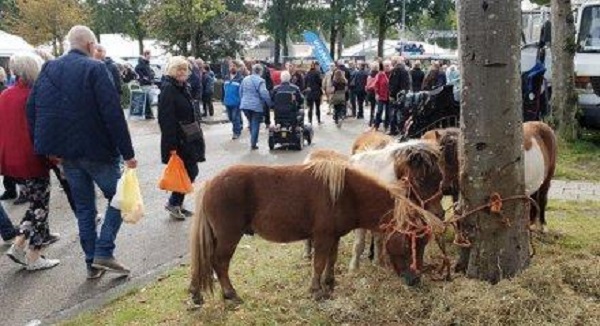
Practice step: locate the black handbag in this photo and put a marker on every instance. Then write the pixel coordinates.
(194, 146)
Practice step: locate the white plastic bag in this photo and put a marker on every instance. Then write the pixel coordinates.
(128, 197)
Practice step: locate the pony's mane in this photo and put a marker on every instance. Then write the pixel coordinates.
(415, 153)
(331, 173)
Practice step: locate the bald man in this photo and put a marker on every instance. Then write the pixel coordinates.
(76, 118)
(100, 54)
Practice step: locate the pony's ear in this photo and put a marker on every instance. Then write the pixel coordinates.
(438, 136)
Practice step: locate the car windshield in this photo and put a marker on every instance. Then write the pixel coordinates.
(589, 31)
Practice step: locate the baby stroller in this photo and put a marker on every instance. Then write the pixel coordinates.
(289, 129)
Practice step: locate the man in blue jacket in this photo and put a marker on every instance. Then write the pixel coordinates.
(231, 99)
(75, 115)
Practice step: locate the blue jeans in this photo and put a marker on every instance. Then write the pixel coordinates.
(235, 117)
(7, 229)
(254, 118)
(381, 108)
(82, 174)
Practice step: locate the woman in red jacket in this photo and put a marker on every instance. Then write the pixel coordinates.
(382, 94)
(18, 160)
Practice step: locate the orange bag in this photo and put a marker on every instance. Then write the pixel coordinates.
(175, 177)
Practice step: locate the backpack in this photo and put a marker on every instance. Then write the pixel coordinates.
(370, 84)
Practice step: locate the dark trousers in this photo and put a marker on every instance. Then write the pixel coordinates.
(207, 104)
(65, 186)
(382, 108)
(267, 115)
(191, 167)
(316, 104)
(373, 105)
(360, 97)
(353, 102)
(339, 112)
(7, 229)
(10, 185)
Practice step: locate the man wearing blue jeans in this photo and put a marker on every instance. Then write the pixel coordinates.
(75, 114)
(254, 95)
(231, 99)
(7, 229)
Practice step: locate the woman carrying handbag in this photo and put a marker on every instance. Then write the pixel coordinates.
(180, 132)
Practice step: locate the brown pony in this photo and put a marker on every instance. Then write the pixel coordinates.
(321, 201)
(540, 151)
(370, 140)
(322, 155)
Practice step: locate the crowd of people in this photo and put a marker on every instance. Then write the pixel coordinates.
(346, 86)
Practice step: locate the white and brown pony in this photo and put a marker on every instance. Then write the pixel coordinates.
(540, 151)
(413, 165)
(322, 201)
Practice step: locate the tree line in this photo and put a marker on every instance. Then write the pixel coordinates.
(215, 29)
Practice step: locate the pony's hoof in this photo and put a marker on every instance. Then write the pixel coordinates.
(234, 300)
(197, 300)
(322, 295)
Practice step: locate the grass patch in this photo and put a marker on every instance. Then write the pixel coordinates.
(580, 160)
(560, 288)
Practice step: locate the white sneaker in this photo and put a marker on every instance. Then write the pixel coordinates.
(42, 263)
(17, 255)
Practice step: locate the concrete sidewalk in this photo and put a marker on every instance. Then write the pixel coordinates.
(574, 190)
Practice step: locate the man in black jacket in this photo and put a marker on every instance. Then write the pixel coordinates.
(100, 54)
(417, 76)
(399, 81)
(146, 79)
(360, 84)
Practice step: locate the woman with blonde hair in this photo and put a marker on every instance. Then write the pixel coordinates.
(2, 80)
(18, 160)
(180, 132)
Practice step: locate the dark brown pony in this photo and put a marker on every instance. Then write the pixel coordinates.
(322, 201)
(540, 151)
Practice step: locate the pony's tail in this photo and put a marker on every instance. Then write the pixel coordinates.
(202, 248)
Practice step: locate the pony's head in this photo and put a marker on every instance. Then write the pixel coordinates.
(407, 234)
(417, 167)
(447, 142)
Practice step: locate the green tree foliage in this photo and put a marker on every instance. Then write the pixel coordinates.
(8, 8)
(120, 16)
(179, 22)
(46, 21)
(385, 14)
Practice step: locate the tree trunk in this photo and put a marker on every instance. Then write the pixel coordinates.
(277, 49)
(285, 44)
(491, 138)
(140, 40)
(332, 40)
(340, 41)
(381, 31)
(564, 98)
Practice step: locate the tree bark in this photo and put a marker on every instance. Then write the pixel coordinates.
(381, 32)
(340, 41)
(491, 138)
(564, 97)
(333, 40)
(140, 40)
(277, 49)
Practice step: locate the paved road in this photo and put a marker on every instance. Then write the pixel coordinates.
(158, 242)
(154, 243)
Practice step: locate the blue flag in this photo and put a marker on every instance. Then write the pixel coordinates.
(320, 51)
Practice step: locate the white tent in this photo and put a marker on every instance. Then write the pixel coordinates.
(121, 46)
(369, 49)
(11, 44)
